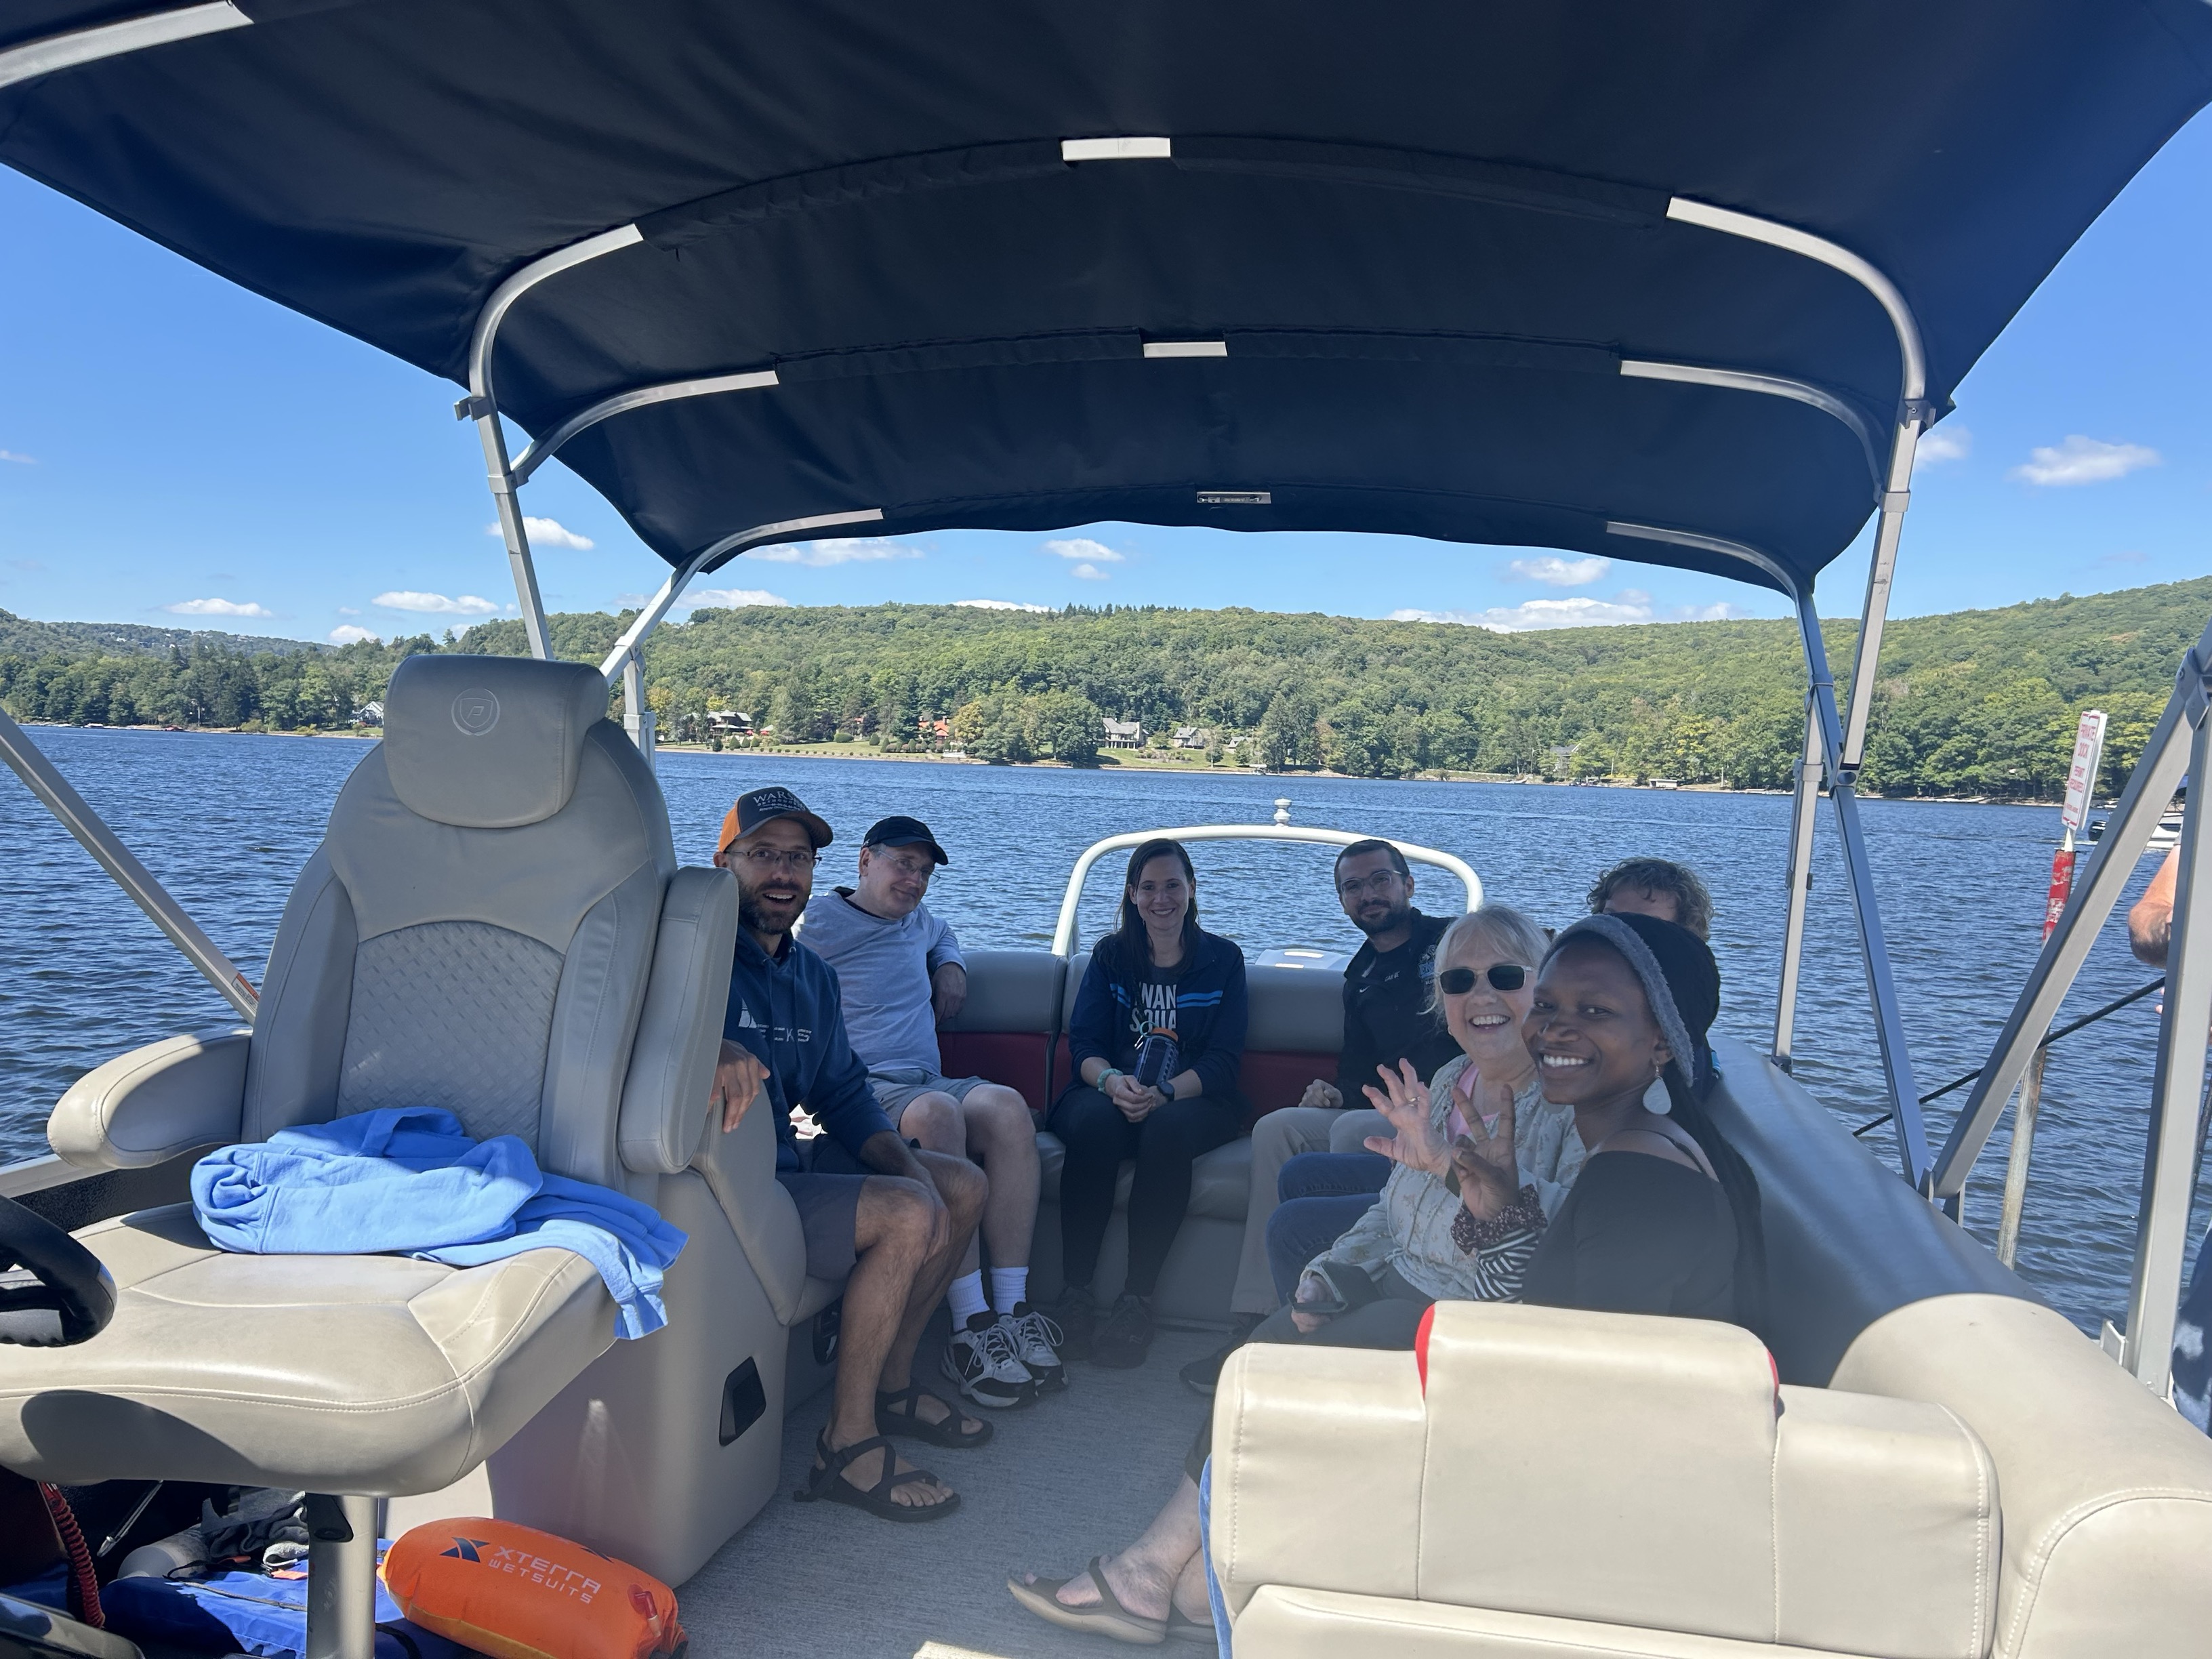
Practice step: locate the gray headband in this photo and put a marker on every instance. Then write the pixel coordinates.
(1660, 995)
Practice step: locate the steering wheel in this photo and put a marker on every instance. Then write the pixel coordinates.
(53, 1291)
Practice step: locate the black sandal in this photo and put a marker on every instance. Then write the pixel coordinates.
(827, 1485)
(910, 1421)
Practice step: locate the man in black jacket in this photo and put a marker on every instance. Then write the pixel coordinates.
(1387, 1018)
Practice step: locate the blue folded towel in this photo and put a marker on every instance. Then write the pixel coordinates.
(411, 1180)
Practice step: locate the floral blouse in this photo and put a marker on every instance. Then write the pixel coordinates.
(1420, 1227)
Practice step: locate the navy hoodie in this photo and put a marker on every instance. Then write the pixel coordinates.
(1209, 1011)
(789, 1010)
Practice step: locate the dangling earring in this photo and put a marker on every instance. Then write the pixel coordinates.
(1657, 1099)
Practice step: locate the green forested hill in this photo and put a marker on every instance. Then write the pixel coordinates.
(21, 636)
(1975, 702)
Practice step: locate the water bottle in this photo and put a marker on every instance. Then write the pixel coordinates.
(178, 1550)
(1156, 1060)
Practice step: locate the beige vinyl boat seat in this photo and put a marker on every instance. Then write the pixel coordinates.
(1572, 1484)
(495, 924)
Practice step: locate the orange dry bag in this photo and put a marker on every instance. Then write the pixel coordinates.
(517, 1593)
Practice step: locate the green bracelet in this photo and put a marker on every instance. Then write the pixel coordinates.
(1111, 1071)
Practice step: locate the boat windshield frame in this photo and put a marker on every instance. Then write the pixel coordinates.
(1064, 937)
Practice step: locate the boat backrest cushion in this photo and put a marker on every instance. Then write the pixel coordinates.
(1006, 1029)
(489, 743)
(482, 939)
(1846, 1241)
(1635, 1473)
(2106, 1491)
(1294, 1026)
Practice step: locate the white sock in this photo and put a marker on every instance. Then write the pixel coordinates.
(1008, 1286)
(966, 1297)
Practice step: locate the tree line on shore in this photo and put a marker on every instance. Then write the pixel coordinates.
(1979, 702)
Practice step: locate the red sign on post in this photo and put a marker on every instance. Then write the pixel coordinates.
(2081, 788)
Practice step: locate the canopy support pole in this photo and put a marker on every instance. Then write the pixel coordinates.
(2113, 862)
(627, 659)
(637, 718)
(1914, 416)
(55, 793)
(1802, 812)
(481, 406)
(1881, 986)
(2171, 1158)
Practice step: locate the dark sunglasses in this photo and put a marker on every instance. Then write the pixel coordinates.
(1502, 975)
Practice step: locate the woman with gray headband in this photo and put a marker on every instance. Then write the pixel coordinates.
(1665, 1216)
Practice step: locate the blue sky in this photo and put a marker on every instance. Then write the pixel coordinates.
(176, 451)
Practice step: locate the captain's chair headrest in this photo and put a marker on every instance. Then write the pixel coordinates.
(489, 743)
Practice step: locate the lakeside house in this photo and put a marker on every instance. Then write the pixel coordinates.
(1123, 734)
(1189, 737)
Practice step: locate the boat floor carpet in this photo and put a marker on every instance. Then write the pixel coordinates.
(1073, 1476)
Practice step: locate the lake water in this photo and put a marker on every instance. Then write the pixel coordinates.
(226, 821)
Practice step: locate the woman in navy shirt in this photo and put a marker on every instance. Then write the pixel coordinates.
(1158, 974)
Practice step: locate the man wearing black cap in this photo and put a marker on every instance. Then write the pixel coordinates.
(889, 1221)
(901, 974)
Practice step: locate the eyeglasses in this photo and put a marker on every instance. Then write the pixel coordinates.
(1379, 883)
(764, 859)
(1502, 975)
(918, 869)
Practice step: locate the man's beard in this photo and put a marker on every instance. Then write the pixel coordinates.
(1395, 917)
(753, 919)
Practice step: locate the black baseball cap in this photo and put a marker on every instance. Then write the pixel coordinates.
(903, 831)
(758, 807)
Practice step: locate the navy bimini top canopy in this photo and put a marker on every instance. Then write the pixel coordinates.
(1372, 268)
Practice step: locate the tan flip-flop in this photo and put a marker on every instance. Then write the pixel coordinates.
(1108, 1618)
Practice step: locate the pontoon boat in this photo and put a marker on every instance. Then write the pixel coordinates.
(1686, 283)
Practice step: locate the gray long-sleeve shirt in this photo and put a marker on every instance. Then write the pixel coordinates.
(885, 969)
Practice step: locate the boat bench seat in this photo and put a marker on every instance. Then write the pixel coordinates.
(375, 1374)
(1220, 1181)
(1548, 1481)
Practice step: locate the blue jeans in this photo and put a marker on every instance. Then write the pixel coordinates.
(1323, 1194)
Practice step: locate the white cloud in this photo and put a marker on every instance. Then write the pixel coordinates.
(216, 608)
(1089, 573)
(1945, 443)
(347, 633)
(1555, 572)
(435, 604)
(1081, 547)
(348, 611)
(549, 532)
(997, 604)
(1631, 605)
(2083, 460)
(836, 551)
(20, 461)
(732, 599)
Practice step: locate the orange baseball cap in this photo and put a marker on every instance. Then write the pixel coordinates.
(753, 810)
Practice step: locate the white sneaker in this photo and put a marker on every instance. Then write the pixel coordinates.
(982, 1361)
(1036, 1341)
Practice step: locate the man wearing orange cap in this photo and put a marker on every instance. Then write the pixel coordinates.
(889, 1221)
